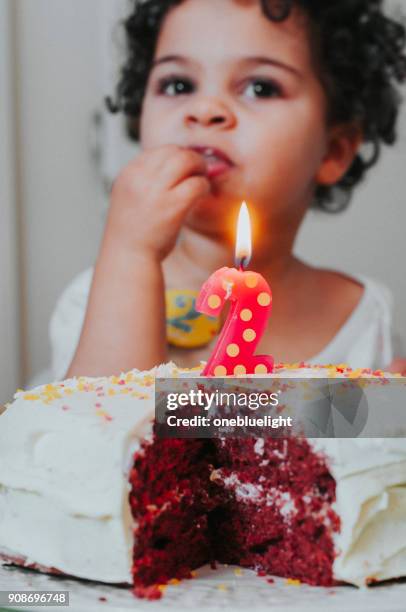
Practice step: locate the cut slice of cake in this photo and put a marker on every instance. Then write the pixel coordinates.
(88, 490)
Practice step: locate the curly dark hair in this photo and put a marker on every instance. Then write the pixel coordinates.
(360, 57)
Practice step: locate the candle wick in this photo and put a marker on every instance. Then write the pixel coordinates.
(243, 263)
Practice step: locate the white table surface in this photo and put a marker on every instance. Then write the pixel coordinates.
(226, 588)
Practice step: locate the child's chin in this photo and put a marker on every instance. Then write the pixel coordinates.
(217, 202)
(215, 214)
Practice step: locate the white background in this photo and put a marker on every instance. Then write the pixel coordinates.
(55, 66)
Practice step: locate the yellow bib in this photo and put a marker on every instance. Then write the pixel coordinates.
(185, 327)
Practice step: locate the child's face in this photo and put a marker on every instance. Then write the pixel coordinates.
(247, 86)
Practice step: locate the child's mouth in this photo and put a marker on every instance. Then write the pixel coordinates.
(217, 161)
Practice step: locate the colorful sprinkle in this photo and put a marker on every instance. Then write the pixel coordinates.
(292, 582)
(104, 415)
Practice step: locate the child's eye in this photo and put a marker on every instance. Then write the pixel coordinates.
(175, 86)
(263, 88)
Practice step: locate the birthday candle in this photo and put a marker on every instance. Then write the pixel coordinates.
(251, 304)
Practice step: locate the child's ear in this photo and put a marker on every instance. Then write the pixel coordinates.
(342, 146)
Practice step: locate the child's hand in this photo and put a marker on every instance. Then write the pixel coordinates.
(398, 366)
(149, 202)
(152, 196)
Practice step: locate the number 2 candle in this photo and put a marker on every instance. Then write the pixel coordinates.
(251, 304)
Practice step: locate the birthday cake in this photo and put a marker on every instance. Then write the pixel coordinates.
(88, 490)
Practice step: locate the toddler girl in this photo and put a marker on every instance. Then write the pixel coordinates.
(267, 101)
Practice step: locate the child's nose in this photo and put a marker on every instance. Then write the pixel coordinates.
(210, 112)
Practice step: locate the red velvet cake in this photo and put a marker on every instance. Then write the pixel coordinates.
(200, 501)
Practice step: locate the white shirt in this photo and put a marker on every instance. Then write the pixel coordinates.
(364, 341)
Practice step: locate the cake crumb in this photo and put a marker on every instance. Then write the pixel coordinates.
(102, 598)
(174, 581)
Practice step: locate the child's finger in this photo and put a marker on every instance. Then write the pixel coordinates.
(157, 164)
(179, 167)
(191, 190)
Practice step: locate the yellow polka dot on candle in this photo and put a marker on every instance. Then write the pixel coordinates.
(251, 280)
(240, 369)
(232, 350)
(261, 369)
(264, 299)
(220, 370)
(214, 301)
(246, 314)
(249, 335)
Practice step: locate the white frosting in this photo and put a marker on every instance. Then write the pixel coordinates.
(259, 446)
(65, 454)
(64, 474)
(370, 479)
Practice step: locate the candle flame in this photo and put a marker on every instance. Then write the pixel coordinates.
(243, 249)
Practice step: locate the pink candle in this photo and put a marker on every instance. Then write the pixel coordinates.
(251, 304)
